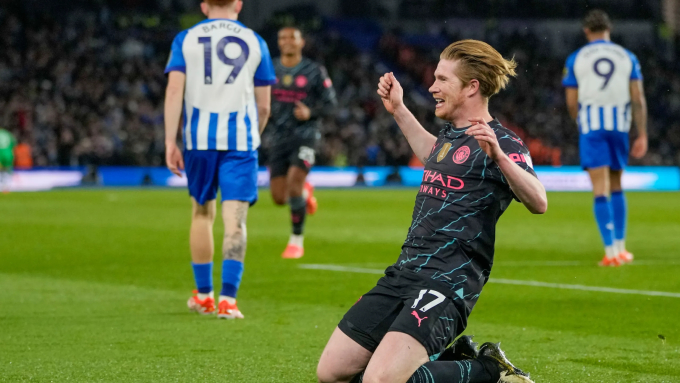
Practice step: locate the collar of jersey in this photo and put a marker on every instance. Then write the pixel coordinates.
(453, 132)
(600, 41)
(449, 125)
(233, 21)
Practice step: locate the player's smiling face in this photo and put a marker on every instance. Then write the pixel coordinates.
(447, 90)
(290, 42)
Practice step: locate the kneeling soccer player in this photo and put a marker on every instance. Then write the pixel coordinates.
(398, 331)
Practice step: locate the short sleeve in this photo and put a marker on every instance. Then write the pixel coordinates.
(176, 61)
(518, 152)
(265, 74)
(636, 72)
(569, 77)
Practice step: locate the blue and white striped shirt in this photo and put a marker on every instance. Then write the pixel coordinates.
(223, 61)
(602, 71)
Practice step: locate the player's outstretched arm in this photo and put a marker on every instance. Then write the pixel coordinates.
(526, 187)
(263, 99)
(392, 96)
(639, 108)
(174, 96)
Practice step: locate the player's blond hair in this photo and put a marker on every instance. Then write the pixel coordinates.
(479, 60)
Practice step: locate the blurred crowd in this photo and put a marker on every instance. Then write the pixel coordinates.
(87, 89)
(533, 104)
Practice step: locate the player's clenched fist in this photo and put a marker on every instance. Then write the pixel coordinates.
(486, 137)
(391, 92)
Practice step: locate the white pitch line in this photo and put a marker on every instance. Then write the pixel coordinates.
(580, 263)
(508, 282)
(561, 263)
(584, 288)
(541, 263)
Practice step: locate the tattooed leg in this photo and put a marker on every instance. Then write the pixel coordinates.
(234, 214)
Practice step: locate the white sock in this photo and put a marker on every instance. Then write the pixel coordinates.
(202, 296)
(296, 240)
(231, 300)
(620, 245)
(305, 194)
(610, 252)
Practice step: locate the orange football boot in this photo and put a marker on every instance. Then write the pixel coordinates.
(625, 257)
(226, 310)
(293, 252)
(614, 262)
(203, 307)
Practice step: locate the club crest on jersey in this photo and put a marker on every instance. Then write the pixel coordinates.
(301, 81)
(461, 155)
(443, 151)
(287, 80)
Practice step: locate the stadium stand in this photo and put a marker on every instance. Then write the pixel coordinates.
(87, 89)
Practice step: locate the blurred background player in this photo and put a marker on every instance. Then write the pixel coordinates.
(604, 95)
(7, 144)
(302, 96)
(220, 77)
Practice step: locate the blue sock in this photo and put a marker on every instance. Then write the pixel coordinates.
(603, 216)
(619, 213)
(231, 277)
(203, 276)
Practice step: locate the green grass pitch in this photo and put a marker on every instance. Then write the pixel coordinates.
(94, 286)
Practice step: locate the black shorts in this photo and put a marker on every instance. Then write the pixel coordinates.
(405, 302)
(300, 153)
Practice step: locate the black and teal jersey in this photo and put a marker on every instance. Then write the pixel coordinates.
(462, 196)
(307, 82)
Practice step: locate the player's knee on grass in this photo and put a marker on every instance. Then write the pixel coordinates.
(397, 357)
(331, 371)
(342, 359)
(326, 375)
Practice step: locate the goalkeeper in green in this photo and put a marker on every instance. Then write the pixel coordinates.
(7, 144)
